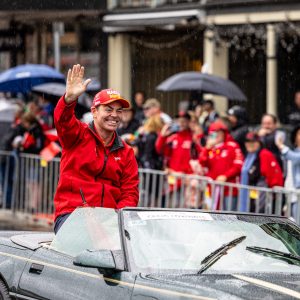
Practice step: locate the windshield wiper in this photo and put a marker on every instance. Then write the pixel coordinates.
(218, 253)
(290, 258)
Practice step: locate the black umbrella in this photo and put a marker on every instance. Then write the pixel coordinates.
(202, 82)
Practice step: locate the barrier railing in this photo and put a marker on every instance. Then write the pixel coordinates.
(28, 184)
(177, 190)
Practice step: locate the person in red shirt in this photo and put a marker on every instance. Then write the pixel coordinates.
(174, 143)
(222, 159)
(97, 168)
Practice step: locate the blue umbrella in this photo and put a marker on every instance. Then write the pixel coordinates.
(202, 82)
(22, 78)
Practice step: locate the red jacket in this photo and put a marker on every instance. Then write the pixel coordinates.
(177, 150)
(270, 168)
(224, 159)
(108, 177)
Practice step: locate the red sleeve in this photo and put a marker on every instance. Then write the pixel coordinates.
(203, 157)
(160, 144)
(129, 182)
(270, 169)
(68, 127)
(237, 161)
(162, 147)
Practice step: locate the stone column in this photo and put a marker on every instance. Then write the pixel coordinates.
(119, 64)
(216, 57)
(271, 70)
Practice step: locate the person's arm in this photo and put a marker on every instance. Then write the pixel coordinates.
(289, 154)
(67, 126)
(129, 183)
(162, 139)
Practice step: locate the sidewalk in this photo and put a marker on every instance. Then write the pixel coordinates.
(23, 221)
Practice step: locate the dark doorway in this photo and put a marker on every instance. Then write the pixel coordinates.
(249, 73)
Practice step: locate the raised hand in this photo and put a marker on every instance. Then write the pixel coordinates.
(75, 84)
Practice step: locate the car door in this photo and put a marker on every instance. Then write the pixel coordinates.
(52, 275)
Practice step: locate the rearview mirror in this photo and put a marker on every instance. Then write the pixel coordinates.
(98, 259)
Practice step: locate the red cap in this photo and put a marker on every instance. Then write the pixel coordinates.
(252, 137)
(217, 126)
(108, 96)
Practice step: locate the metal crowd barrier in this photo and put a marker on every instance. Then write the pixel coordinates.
(177, 190)
(28, 184)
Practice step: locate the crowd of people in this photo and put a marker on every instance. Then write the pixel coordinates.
(221, 146)
(198, 141)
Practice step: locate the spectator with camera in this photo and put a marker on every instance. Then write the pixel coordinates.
(174, 143)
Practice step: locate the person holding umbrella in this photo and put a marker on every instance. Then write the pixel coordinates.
(97, 168)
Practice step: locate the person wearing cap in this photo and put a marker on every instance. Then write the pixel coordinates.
(238, 119)
(174, 143)
(223, 160)
(152, 107)
(260, 168)
(97, 168)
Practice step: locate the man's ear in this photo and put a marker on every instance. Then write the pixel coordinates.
(93, 111)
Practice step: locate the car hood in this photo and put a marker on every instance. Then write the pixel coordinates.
(220, 286)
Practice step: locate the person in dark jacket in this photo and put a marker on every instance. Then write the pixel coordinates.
(147, 155)
(8, 164)
(260, 169)
(129, 124)
(237, 116)
(294, 117)
(34, 139)
(139, 100)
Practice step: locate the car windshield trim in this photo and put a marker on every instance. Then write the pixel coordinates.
(289, 258)
(123, 241)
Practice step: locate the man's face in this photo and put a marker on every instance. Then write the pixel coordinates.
(232, 119)
(127, 115)
(183, 123)
(252, 146)
(207, 107)
(108, 117)
(139, 99)
(150, 111)
(297, 99)
(216, 137)
(268, 123)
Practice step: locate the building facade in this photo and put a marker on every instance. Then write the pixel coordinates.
(253, 42)
(37, 31)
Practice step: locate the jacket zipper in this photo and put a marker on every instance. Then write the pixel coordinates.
(104, 165)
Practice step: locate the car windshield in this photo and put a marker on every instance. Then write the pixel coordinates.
(170, 241)
(88, 228)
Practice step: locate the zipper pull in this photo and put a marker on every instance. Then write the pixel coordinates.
(83, 199)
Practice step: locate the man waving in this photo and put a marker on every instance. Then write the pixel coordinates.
(97, 168)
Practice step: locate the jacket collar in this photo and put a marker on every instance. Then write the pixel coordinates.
(117, 143)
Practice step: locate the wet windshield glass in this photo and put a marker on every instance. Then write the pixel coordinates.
(167, 241)
(88, 228)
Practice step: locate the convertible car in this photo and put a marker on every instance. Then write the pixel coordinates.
(137, 253)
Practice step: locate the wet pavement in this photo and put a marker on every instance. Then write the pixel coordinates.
(22, 221)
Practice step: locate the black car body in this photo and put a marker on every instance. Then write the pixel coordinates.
(154, 254)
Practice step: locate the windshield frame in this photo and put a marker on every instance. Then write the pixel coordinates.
(128, 255)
